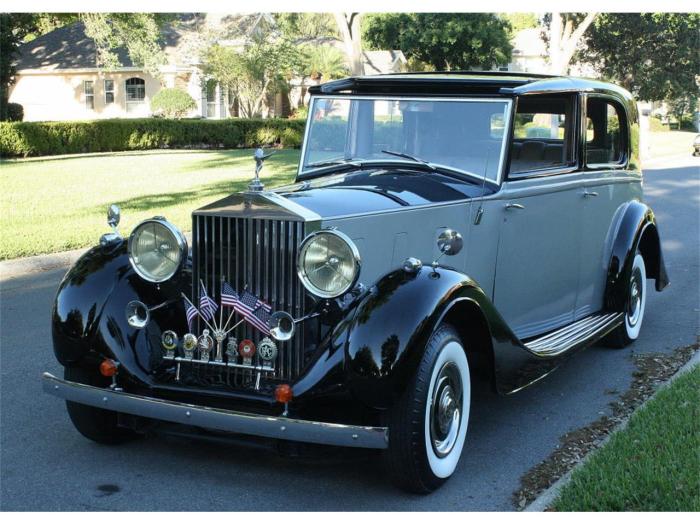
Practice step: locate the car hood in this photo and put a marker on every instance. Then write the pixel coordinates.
(358, 192)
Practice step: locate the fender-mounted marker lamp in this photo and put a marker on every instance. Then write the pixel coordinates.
(108, 368)
(283, 394)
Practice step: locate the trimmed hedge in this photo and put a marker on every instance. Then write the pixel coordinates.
(25, 139)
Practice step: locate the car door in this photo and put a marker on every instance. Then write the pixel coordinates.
(608, 185)
(536, 278)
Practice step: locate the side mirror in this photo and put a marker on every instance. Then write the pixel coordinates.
(450, 242)
(114, 215)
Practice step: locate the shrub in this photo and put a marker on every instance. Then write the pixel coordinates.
(15, 112)
(56, 138)
(172, 103)
(302, 112)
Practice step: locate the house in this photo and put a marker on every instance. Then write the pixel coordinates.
(58, 78)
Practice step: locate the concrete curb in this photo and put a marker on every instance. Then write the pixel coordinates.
(545, 499)
(39, 263)
(42, 263)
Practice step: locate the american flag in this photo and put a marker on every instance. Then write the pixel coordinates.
(190, 312)
(259, 319)
(229, 297)
(254, 311)
(207, 305)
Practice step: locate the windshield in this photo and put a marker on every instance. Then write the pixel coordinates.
(465, 135)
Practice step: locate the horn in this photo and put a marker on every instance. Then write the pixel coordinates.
(137, 314)
(281, 326)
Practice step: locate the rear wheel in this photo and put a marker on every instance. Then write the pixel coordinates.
(628, 331)
(428, 426)
(94, 423)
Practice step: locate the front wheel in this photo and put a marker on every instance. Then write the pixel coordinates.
(636, 302)
(428, 425)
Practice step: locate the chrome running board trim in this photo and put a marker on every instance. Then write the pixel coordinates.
(278, 427)
(577, 334)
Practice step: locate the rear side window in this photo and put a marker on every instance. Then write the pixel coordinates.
(605, 128)
(542, 133)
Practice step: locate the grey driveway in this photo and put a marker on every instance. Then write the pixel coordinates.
(46, 465)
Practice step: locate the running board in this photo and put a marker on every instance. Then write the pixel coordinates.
(580, 333)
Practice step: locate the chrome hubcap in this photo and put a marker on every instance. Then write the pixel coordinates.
(635, 298)
(446, 410)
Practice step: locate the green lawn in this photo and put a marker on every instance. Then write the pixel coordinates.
(52, 204)
(652, 465)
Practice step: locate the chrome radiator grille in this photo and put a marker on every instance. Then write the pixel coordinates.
(260, 255)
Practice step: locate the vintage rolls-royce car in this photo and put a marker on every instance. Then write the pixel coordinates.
(441, 228)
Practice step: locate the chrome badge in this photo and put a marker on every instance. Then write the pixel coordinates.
(205, 343)
(267, 350)
(247, 350)
(232, 349)
(169, 342)
(189, 343)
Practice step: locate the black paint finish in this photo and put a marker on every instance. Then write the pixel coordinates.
(637, 231)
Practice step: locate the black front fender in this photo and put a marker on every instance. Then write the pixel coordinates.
(391, 327)
(88, 317)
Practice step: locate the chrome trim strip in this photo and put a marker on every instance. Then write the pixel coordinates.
(574, 335)
(291, 206)
(228, 420)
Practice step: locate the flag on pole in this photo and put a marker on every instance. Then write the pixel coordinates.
(229, 297)
(253, 310)
(207, 305)
(190, 312)
(259, 319)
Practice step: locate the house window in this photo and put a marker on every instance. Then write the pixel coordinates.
(109, 91)
(89, 91)
(135, 93)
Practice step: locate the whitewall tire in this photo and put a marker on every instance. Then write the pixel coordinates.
(428, 426)
(635, 304)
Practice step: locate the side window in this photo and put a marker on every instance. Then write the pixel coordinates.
(543, 132)
(604, 137)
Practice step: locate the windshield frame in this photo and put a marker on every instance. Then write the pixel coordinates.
(306, 174)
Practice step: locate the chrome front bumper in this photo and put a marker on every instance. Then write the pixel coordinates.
(216, 418)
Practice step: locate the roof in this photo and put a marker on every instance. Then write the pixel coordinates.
(505, 83)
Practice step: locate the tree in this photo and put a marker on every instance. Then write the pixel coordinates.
(566, 31)
(249, 72)
(446, 41)
(138, 33)
(520, 21)
(14, 27)
(306, 26)
(653, 55)
(351, 35)
(323, 63)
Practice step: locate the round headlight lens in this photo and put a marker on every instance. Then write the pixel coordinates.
(328, 263)
(156, 250)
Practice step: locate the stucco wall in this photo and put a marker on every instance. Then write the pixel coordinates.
(60, 96)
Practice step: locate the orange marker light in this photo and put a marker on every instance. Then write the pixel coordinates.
(283, 393)
(108, 368)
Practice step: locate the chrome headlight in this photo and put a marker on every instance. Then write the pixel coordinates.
(156, 250)
(328, 264)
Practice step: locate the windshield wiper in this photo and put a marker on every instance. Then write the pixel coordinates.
(334, 162)
(409, 157)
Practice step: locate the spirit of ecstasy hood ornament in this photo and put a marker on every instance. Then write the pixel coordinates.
(260, 157)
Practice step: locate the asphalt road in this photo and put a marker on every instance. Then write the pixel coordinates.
(46, 465)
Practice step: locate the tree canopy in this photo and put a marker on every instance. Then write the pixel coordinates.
(445, 41)
(653, 55)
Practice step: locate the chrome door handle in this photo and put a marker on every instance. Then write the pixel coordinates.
(590, 193)
(515, 206)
